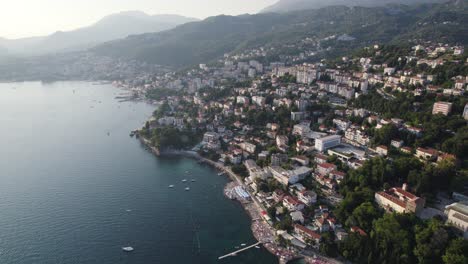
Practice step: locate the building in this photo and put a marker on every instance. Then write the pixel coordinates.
(248, 147)
(325, 168)
(255, 171)
(298, 116)
(465, 112)
(322, 144)
(442, 108)
(286, 177)
(282, 142)
(426, 153)
(307, 197)
(305, 234)
(457, 215)
(400, 201)
(278, 159)
(397, 143)
(292, 204)
(382, 150)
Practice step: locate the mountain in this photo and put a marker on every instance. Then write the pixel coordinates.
(293, 5)
(109, 28)
(207, 40)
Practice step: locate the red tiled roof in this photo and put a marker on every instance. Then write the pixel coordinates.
(356, 229)
(393, 199)
(308, 232)
(291, 200)
(408, 195)
(327, 165)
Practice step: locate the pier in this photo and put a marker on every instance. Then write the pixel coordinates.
(240, 250)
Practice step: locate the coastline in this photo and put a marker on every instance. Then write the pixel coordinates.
(260, 229)
(258, 225)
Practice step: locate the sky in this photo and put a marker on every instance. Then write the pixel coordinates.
(27, 18)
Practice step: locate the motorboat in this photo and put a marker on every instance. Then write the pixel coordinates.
(128, 249)
(187, 189)
(184, 180)
(171, 186)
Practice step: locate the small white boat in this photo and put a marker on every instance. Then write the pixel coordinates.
(243, 244)
(193, 180)
(128, 249)
(128, 210)
(257, 247)
(187, 189)
(171, 186)
(184, 180)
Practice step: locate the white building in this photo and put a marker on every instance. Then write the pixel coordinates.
(442, 108)
(457, 215)
(286, 177)
(322, 144)
(399, 200)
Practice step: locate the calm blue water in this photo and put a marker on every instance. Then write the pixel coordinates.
(66, 186)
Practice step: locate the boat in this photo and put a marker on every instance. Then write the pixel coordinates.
(187, 189)
(243, 244)
(128, 249)
(193, 180)
(257, 247)
(171, 186)
(184, 180)
(221, 174)
(128, 210)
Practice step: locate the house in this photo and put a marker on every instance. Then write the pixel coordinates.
(397, 143)
(278, 195)
(320, 158)
(399, 200)
(337, 175)
(248, 147)
(325, 168)
(306, 235)
(426, 154)
(322, 224)
(297, 217)
(307, 197)
(382, 150)
(406, 150)
(282, 142)
(292, 204)
(303, 160)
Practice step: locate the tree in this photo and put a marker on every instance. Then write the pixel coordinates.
(431, 241)
(456, 252)
(392, 238)
(363, 216)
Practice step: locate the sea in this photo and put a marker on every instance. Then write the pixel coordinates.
(76, 188)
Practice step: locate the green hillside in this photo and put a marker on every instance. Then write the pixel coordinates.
(207, 40)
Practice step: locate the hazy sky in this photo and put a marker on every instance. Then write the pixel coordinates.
(24, 18)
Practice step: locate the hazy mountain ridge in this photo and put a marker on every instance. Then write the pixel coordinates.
(294, 5)
(111, 27)
(209, 39)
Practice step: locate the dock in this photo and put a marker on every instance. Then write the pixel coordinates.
(239, 251)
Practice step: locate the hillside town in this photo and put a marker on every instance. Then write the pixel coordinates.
(306, 139)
